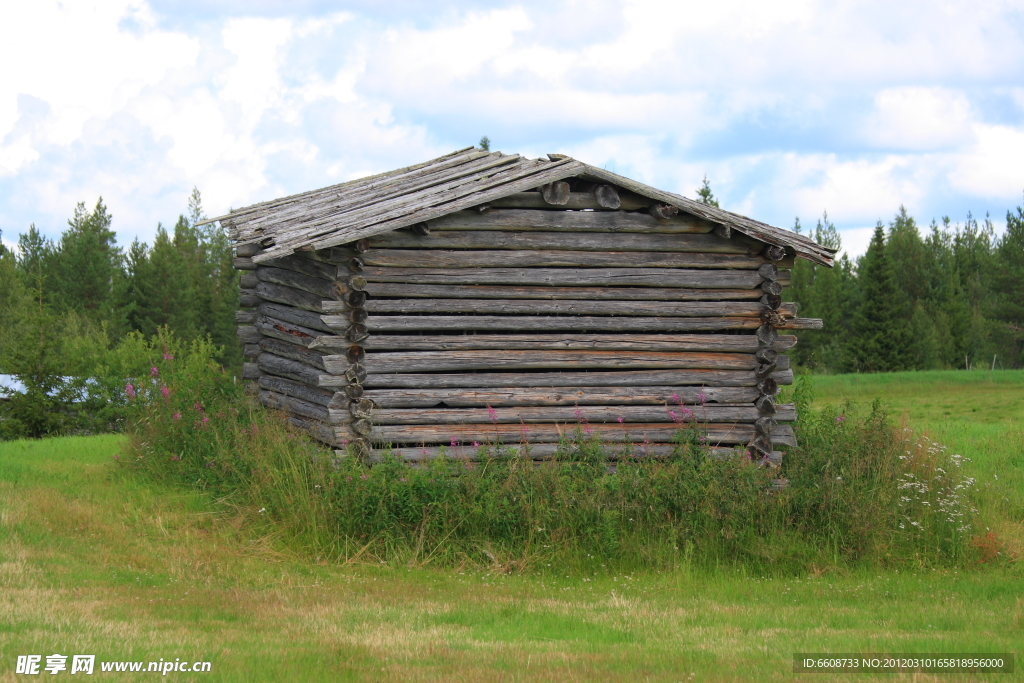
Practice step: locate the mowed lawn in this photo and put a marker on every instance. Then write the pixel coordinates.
(92, 562)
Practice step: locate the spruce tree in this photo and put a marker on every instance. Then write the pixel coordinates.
(1008, 283)
(882, 342)
(705, 195)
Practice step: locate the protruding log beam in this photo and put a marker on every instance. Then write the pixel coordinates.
(663, 212)
(286, 349)
(765, 404)
(766, 335)
(767, 425)
(293, 315)
(773, 302)
(247, 250)
(680, 309)
(323, 289)
(245, 317)
(397, 323)
(556, 193)
(247, 298)
(571, 277)
(607, 197)
(248, 280)
(250, 371)
(771, 287)
(300, 390)
(577, 201)
(802, 324)
(558, 396)
(248, 334)
(300, 372)
(243, 263)
(768, 271)
(290, 296)
(420, 258)
(769, 386)
(404, 291)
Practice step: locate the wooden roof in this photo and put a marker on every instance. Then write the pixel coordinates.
(338, 214)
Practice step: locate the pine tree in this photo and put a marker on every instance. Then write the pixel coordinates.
(883, 342)
(1008, 283)
(705, 195)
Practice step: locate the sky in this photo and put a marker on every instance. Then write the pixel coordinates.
(790, 108)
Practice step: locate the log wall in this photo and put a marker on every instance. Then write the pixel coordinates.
(518, 321)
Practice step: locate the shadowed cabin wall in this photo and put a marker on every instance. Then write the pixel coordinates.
(546, 315)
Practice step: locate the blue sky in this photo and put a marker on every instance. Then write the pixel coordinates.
(790, 108)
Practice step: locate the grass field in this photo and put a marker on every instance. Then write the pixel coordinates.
(92, 562)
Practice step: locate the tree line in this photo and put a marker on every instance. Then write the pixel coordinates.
(948, 296)
(70, 309)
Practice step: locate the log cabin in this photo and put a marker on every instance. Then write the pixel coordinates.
(482, 297)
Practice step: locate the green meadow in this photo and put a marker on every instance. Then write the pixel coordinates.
(95, 561)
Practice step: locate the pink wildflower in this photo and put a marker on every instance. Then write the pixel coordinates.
(198, 407)
(840, 419)
(402, 479)
(578, 412)
(130, 390)
(168, 356)
(176, 417)
(702, 398)
(620, 419)
(206, 418)
(153, 371)
(344, 444)
(492, 413)
(164, 391)
(363, 477)
(674, 416)
(687, 413)
(476, 444)
(676, 399)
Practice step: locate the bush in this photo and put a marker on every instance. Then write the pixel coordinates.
(861, 491)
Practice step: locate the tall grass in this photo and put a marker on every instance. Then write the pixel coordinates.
(861, 490)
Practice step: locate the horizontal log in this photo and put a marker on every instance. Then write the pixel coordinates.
(246, 250)
(248, 300)
(248, 280)
(293, 315)
(437, 258)
(285, 349)
(397, 323)
(584, 221)
(802, 324)
(316, 429)
(300, 372)
(522, 359)
(250, 351)
(731, 343)
(571, 241)
(322, 270)
(293, 406)
(286, 331)
(250, 371)
(404, 291)
(560, 396)
(299, 390)
(594, 415)
(635, 378)
(243, 263)
(323, 289)
(636, 432)
(245, 317)
(542, 451)
(290, 296)
(691, 309)
(577, 201)
(581, 277)
(248, 334)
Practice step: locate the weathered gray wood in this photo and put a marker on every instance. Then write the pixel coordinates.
(313, 267)
(323, 289)
(547, 433)
(251, 350)
(581, 277)
(557, 396)
(771, 287)
(663, 212)
(245, 317)
(243, 263)
(688, 309)
(607, 197)
(556, 193)
(285, 349)
(315, 429)
(723, 231)
(299, 390)
(495, 360)
(290, 369)
(392, 289)
(290, 296)
(537, 453)
(592, 414)
(250, 371)
(286, 331)
(766, 355)
(588, 221)
(766, 335)
(570, 241)
(633, 378)
(397, 323)
(726, 343)
(293, 315)
(293, 406)
(802, 324)
(774, 252)
(424, 258)
(246, 250)
(248, 280)
(765, 404)
(248, 334)
(577, 201)
(248, 300)
(768, 271)
(773, 301)
(769, 386)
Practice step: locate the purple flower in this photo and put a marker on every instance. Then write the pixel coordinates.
(455, 442)
(702, 397)
(198, 407)
(348, 478)
(402, 479)
(620, 419)
(492, 413)
(578, 412)
(687, 413)
(206, 418)
(164, 391)
(841, 419)
(153, 371)
(168, 356)
(476, 444)
(676, 399)
(675, 418)
(176, 417)
(130, 390)
(363, 477)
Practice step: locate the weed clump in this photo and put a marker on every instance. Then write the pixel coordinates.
(861, 490)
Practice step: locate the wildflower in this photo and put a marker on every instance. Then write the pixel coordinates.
(153, 371)
(675, 418)
(676, 399)
(176, 417)
(116, 456)
(454, 442)
(687, 413)
(841, 419)
(209, 465)
(130, 390)
(349, 478)
(492, 413)
(702, 398)
(164, 391)
(262, 510)
(198, 407)
(168, 356)
(476, 444)
(620, 419)
(578, 413)
(363, 477)
(206, 418)
(402, 479)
